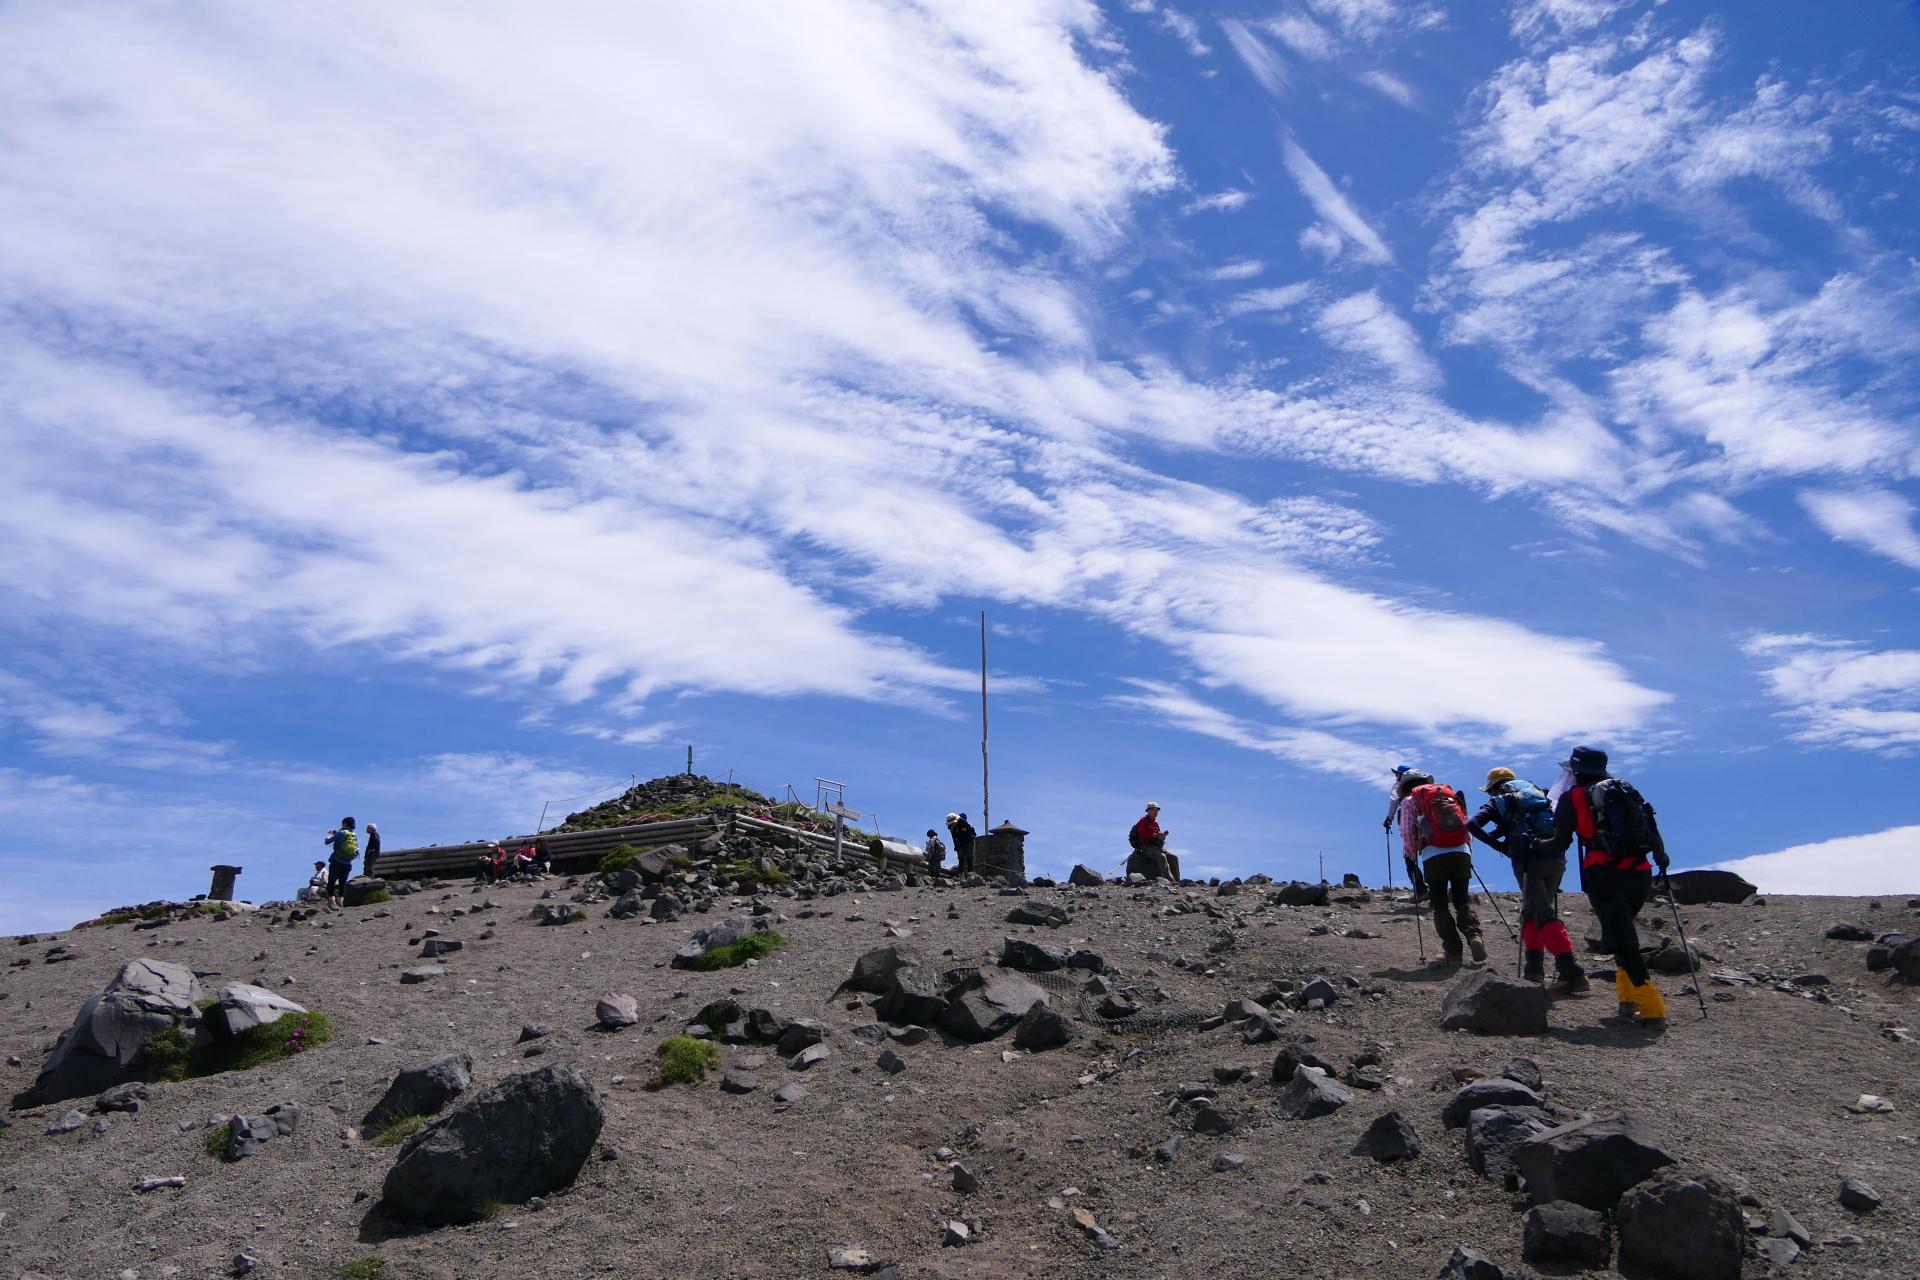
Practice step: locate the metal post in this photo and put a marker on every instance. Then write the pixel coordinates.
(986, 806)
(542, 824)
(839, 834)
(689, 759)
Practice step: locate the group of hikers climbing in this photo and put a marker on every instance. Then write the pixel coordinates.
(1618, 843)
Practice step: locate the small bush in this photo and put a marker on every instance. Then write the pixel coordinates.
(367, 1268)
(171, 1054)
(168, 1054)
(215, 1143)
(751, 947)
(373, 899)
(684, 1060)
(679, 860)
(617, 859)
(399, 1129)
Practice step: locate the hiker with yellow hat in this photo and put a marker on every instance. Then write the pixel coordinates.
(1521, 819)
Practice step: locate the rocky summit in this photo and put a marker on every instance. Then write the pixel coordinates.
(807, 1070)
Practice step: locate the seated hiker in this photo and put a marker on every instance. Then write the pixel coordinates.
(316, 887)
(542, 857)
(1433, 828)
(523, 860)
(934, 852)
(1618, 835)
(1149, 843)
(1521, 818)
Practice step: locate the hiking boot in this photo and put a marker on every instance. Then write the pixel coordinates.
(1651, 1005)
(1571, 981)
(1449, 961)
(1623, 991)
(1479, 950)
(1536, 970)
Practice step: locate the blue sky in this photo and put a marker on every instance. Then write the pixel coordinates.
(426, 412)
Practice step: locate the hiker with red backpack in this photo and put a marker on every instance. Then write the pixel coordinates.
(1618, 835)
(1521, 818)
(1433, 828)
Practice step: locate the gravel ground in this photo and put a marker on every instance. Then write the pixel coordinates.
(709, 1184)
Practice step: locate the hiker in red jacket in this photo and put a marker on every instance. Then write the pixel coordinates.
(1433, 827)
(1618, 837)
(1150, 846)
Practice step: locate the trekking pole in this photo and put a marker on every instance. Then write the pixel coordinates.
(1389, 836)
(1685, 945)
(1495, 904)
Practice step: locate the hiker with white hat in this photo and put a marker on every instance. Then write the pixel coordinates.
(1149, 843)
(963, 836)
(1521, 820)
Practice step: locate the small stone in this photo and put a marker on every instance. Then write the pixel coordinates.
(1465, 1264)
(421, 973)
(1387, 1139)
(1870, 1104)
(890, 1062)
(1168, 1151)
(964, 1180)
(955, 1234)
(68, 1123)
(810, 1056)
(739, 1082)
(534, 1031)
(1858, 1196)
(1228, 1162)
(789, 1094)
(1562, 1231)
(615, 1011)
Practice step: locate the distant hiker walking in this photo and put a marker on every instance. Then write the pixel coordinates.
(962, 832)
(1433, 829)
(1149, 844)
(343, 847)
(1521, 818)
(1405, 779)
(934, 852)
(1617, 835)
(373, 848)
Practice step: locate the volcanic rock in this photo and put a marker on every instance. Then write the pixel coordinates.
(1388, 1138)
(989, 1003)
(1561, 1231)
(1313, 1093)
(916, 994)
(422, 1090)
(1682, 1224)
(1485, 1093)
(242, 1007)
(1589, 1162)
(102, 1047)
(873, 972)
(1032, 957)
(1692, 888)
(1042, 1027)
(1493, 1004)
(526, 1136)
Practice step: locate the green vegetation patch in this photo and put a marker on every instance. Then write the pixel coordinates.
(150, 911)
(172, 1055)
(367, 1268)
(377, 896)
(684, 1060)
(215, 1143)
(617, 859)
(734, 954)
(399, 1129)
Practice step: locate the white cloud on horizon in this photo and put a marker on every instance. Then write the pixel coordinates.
(1880, 862)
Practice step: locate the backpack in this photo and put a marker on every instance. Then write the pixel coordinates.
(346, 846)
(1525, 813)
(1621, 826)
(1133, 836)
(1443, 824)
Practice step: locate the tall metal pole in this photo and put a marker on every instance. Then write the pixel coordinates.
(986, 806)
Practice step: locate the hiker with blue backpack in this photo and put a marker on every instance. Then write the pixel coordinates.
(1618, 836)
(1521, 820)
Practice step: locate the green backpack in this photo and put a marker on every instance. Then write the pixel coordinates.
(346, 847)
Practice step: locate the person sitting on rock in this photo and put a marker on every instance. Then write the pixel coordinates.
(316, 884)
(1433, 828)
(934, 852)
(1521, 816)
(542, 857)
(1149, 843)
(1617, 835)
(523, 859)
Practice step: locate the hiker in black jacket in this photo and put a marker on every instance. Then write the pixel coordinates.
(1515, 815)
(963, 836)
(1617, 835)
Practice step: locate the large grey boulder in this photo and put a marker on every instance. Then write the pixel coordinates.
(241, 1006)
(361, 888)
(1691, 888)
(422, 1090)
(524, 1137)
(102, 1047)
(1906, 960)
(1496, 1005)
(1313, 1093)
(1034, 957)
(916, 994)
(1562, 1231)
(714, 936)
(1042, 1027)
(989, 1003)
(1298, 893)
(1046, 913)
(1682, 1224)
(1085, 876)
(1590, 1162)
(1493, 1134)
(874, 971)
(1469, 1098)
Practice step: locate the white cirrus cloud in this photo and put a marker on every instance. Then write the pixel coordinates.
(1841, 693)
(1327, 201)
(1877, 519)
(1364, 324)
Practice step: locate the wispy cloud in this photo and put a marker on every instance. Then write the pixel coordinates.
(1842, 693)
(1364, 324)
(1877, 519)
(1268, 67)
(1231, 200)
(1389, 85)
(1330, 204)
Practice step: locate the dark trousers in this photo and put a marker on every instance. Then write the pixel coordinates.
(963, 856)
(1450, 889)
(1616, 898)
(338, 873)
